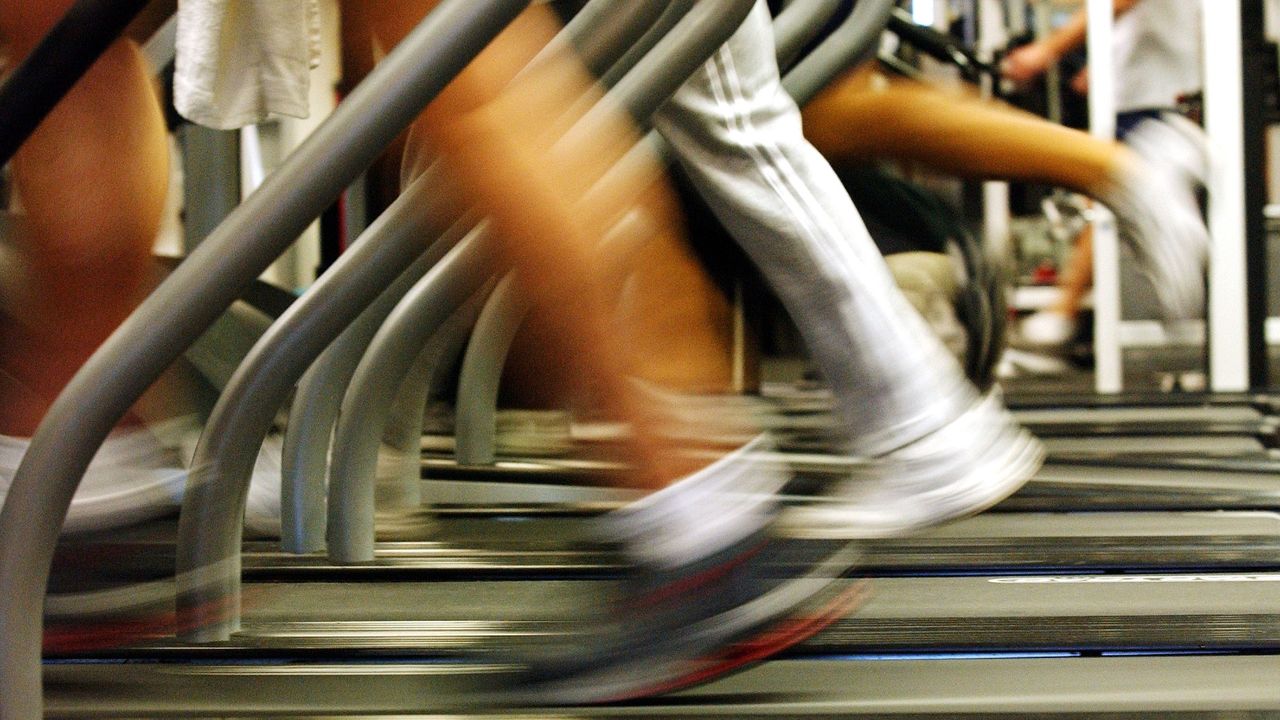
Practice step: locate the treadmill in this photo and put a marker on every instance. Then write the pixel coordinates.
(304, 650)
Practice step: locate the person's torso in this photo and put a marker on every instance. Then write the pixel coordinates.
(1157, 54)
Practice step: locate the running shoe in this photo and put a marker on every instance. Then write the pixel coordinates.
(1046, 329)
(1159, 217)
(140, 473)
(961, 469)
(711, 589)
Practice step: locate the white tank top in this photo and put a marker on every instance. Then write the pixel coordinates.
(1157, 54)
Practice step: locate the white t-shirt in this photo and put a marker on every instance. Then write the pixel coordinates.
(1157, 54)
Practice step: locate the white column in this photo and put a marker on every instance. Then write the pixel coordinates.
(1109, 373)
(996, 221)
(1224, 122)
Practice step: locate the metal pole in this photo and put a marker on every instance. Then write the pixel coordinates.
(1228, 314)
(1109, 373)
(1257, 55)
(996, 222)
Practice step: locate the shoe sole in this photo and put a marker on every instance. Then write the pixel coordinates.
(779, 619)
(1024, 457)
(769, 643)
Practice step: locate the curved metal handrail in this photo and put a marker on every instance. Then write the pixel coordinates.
(213, 505)
(798, 23)
(853, 40)
(601, 32)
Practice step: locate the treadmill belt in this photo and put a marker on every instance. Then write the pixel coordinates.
(1108, 687)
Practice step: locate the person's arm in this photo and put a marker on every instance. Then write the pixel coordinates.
(1034, 59)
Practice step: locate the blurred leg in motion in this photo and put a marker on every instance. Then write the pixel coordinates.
(900, 398)
(1148, 182)
(866, 116)
(89, 190)
(562, 200)
(90, 184)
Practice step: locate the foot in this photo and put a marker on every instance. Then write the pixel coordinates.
(1174, 144)
(140, 474)
(967, 466)
(1159, 217)
(1016, 363)
(711, 589)
(1047, 329)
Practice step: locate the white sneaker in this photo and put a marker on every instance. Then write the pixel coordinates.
(1016, 363)
(1046, 329)
(974, 462)
(1159, 217)
(135, 476)
(141, 473)
(1173, 143)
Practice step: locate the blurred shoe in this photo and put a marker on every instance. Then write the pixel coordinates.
(1016, 363)
(1046, 329)
(1159, 217)
(1174, 143)
(140, 474)
(711, 589)
(974, 462)
(135, 476)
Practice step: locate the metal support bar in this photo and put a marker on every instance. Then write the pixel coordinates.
(208, 546)
(481, 375)
(797, 24)
(1109, 375)
(368, 400)
(603, 30)
(1224, 116)
(855, 37)
(674, 11)
(661, 72)
(1257, 57)
(314, 411)
(211, 179)
(476, 404)
(401, 487)
(199, 290)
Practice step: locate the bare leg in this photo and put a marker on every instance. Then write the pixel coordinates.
(866, 115)
(1077, 276)
(958, 132)
(91, 183)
